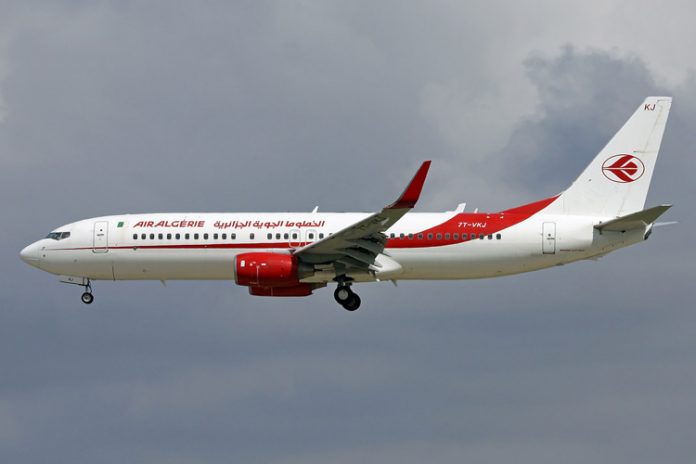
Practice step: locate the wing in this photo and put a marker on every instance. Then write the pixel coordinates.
(360, 246)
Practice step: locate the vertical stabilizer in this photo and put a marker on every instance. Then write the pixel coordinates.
(616, 182)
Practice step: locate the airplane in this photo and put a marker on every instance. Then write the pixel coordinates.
(294, 254)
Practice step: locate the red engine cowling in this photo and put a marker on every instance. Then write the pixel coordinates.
(266, 270)
(295, 290)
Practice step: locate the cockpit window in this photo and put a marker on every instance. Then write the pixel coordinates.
(58, 235)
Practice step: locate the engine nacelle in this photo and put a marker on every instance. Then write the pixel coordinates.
(295, 290)
(266, 270)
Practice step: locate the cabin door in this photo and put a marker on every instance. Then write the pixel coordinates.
(101, 237)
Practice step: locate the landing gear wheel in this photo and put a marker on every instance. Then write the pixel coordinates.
(353, 303)
(87, 298)
(342, 294)
(345, 296)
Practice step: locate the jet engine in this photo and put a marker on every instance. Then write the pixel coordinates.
(272, 274)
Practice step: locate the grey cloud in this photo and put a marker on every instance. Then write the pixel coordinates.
(584, 98)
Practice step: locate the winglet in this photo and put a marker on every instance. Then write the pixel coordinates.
(409, 198)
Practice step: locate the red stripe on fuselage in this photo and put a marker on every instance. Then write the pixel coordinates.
(472, 224)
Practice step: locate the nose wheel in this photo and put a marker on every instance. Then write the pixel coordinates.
(87, 297)
(347, 298)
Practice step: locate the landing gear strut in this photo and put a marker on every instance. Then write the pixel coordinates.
(87, 297)
(346, 298)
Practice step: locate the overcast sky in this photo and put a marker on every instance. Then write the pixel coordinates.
(123, 106)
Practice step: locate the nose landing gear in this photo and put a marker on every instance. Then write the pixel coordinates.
(87, 297)
(346, 297)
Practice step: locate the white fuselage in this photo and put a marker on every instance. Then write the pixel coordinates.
(203, 245)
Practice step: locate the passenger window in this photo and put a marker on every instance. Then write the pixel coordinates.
(135, 236)
(420, 236)
(498, 236)
(481, 236)
(178, 236)
(311, 236)
(439, 236)
(169, 236)
(294, 236)
(160, 236)
(143, 236)
(456, 236)
(224, 236)
(233, 236)
(410, 236)
(447, 236)
(430, 236)
(286, 236)
(187, 236)
(465, 236)
(152, 236)
(215, 236)
(195, 236)
(251, 236)
(401, 236)
(269, 236)
(278, 236)
(321, 235)
(392, 235)
(205, 236)
(490, 237)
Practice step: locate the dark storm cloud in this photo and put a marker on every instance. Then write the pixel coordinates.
(583, 99)
(129, 106)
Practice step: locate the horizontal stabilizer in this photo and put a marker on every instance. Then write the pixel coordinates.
(631, 221)
(665, 223)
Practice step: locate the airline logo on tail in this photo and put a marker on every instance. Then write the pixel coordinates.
(623, 168)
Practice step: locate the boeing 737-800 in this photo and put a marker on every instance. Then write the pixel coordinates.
(293, 254)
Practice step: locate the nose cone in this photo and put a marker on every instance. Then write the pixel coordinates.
(31, 254)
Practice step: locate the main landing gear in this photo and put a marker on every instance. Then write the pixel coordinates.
(346, 298)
